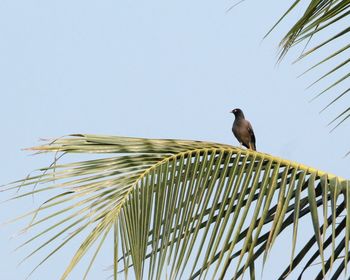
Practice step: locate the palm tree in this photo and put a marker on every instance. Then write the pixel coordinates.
(185, 209)
(197, 209)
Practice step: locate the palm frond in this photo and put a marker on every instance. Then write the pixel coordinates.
(325, 17)
(183, 209)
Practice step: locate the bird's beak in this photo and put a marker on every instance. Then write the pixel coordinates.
(230, 112)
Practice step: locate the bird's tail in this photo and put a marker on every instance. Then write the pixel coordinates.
(252, 146)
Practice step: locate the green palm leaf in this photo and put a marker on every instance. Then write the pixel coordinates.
(184, 209)
(321, 18)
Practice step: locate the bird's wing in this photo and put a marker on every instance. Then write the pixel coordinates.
(251, 132)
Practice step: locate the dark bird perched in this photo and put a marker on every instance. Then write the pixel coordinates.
(243, 130)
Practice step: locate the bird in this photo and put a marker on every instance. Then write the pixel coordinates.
(243, 130)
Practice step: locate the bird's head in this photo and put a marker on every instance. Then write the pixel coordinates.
(237, 112)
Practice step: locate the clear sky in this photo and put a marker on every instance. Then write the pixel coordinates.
(157, 69)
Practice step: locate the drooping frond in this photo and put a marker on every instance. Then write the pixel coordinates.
(185, 209)
(330, 19)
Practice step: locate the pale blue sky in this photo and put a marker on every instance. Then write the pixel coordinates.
(158, 69)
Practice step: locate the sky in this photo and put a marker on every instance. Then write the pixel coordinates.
(156, 69)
